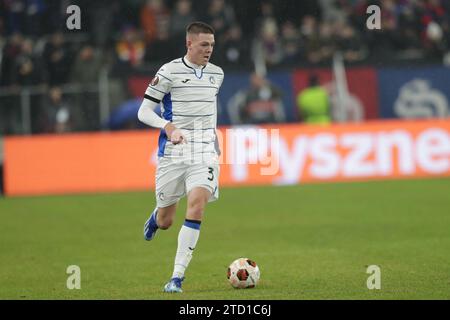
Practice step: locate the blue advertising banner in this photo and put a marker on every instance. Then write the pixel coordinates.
(414, 92)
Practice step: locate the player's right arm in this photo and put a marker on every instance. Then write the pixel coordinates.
(160, 85)
(150, 118)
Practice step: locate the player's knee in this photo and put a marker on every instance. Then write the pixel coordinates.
(195, 212)
(196, 208)
(165, 223)
(165, 217)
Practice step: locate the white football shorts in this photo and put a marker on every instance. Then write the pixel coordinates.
(175, 180)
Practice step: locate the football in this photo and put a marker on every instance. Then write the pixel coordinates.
(243, 273)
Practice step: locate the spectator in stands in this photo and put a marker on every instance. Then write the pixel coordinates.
(446, 29)
(310, 35)
(268, 47)
(86, 68)
(55, 15)
(57, 59)
(433, 21)
(220, 16)
(107, 12)
(27, 69)
(234, 50)
(313, 103)
(155, 22)
(56, 115)
(291, 43)
(11, 51)
(86, 72)
(408, 30)
(154, 19)
(349, 43)
(327, 42)
(262, 103)
(130, 49)
(267, 16)
(181, 16)
(336, 10)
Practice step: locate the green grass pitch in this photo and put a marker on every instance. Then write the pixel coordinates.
(310, 242)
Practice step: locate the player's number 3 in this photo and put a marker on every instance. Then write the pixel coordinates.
(211, 172)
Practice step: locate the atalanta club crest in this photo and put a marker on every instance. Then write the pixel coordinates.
(212, 80)
(154, 81)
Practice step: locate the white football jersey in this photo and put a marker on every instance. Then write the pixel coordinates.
(189, 100)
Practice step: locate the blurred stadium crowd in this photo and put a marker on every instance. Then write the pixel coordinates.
(61, 69)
